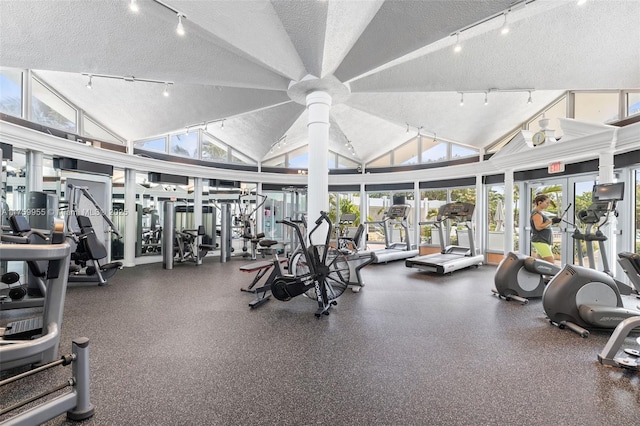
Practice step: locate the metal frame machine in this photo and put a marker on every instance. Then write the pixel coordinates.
(396, 215)
(451, 258)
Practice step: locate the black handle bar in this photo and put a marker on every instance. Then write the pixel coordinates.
(323, 217)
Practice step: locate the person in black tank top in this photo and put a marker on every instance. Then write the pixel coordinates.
(541, 234)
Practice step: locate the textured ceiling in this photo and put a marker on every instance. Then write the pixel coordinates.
(238, 59)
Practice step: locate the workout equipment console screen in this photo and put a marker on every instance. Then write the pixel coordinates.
(398, 211)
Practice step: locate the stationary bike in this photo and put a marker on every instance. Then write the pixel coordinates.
(320, 270)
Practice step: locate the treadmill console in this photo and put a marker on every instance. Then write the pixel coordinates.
(398, 211)
(460, 211)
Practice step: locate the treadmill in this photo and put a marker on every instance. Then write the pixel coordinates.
(396, 215)
(451, 258)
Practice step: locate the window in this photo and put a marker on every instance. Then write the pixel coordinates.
(495, 240)
(278, 161)
(433, 151)
(299, 157)
(93, 129)
(596, 107)
(159, 144)
(346, 163)
(633, 103)
(51, 110)
(238, 158)
(11, 92)
(213, 150)
(430, 202)
(406, 154)
(459, 234)
(185, 145)
(458, 151)
(637, 215)
(384, 161)
(378, 203)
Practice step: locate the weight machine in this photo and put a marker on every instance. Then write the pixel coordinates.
(76, 403)
(90, 250)
(181, 245)
(35, 340)
(32, 293)
(246, 219)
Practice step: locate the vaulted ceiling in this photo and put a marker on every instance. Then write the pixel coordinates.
(237, 60)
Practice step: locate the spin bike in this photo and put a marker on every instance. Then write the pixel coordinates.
(321, 271)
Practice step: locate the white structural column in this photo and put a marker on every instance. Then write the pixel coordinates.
(364, 209)
(34, 168)
(605, 166)
(197, 202)
(259, 215)
(318, 107)
(416, 214)
(606, 175)
(481, 220)
(130, 222)
(508, 214)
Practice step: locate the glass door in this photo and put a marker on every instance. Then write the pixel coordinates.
(569, 195)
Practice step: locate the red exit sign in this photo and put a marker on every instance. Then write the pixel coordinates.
(557, 167)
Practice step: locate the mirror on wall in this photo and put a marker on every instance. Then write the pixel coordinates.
(15, 185)
(149, 214)
(118, 214)
(284, 202)
(244, 204)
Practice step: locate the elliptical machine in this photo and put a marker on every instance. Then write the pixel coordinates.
(520, 277)
(578, 298)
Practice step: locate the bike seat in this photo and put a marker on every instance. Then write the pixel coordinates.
(267, 243)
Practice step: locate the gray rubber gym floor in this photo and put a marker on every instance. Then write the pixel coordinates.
(181, 347)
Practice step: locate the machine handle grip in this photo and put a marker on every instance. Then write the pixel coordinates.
(323, 216)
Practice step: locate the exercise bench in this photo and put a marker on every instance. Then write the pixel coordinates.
(261, 268)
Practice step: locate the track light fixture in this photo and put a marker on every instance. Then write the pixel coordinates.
(130, 79)
(205, 124)
(492, 90)
(458, 47)
(133, 5)
(421, 131)
(278, 144)
(180, 27)
(505, 27)
(350, 148)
